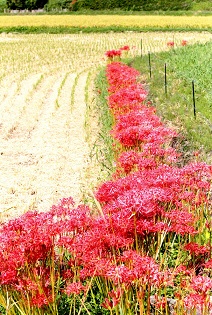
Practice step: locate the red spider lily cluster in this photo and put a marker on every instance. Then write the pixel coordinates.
(150, 194)
(116, 54)
(171, 44)
(149, 203)
(113, 53)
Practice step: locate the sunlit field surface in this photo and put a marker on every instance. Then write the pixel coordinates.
(106, 21)
(150, 235)
(26, 54)
(44, 80)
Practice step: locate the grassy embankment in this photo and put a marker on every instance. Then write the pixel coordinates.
(184, 65)
(174, 103)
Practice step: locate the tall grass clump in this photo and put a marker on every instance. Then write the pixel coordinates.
(103, 147)
(147, 251)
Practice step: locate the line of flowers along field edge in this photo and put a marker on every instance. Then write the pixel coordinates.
(148, 186)
(150, 244)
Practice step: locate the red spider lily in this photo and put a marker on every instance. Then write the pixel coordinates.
(114, 299)
(196, 249)
(96, 266)
(100, 241)
(107, 304)
(201, 284)
(182, 270)
(132, 268)
(128, 160)
(41, 299)
(126, 48)
(170, 183)
(161, 302)
(75, 288)
(170, 44)
(194, 301)
(143, 269)
(151, 156)
(184, 42)
(121, 274)
(127, 99)
(181, 222)
(29, 243)
(139, 127)
(120, 75)
(113, 53)
(199, 298)
(208, 264)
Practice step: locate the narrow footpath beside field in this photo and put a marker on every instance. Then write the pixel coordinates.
(43, 148)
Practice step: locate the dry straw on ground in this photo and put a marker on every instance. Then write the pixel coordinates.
(44, 154)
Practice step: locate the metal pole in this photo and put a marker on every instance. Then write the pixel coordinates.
(194, 103)
(150, 70)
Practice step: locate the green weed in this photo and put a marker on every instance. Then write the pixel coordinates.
(95, 29)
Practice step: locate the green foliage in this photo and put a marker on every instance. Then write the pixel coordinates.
(174, 5)
(104, 148)
(15, 4)
(2, 310)
(3, 5)
(137, 5)
(201, 6)
(184, 65)
(25, 4)
(73, 305)
(55, 4)
(99, 5)
(94, 29)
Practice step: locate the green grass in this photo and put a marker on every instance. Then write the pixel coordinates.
(108, 29)
(103, 148)
(202, 6)
(184, 65)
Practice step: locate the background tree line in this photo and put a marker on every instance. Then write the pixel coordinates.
(127, 5)
(135, 5)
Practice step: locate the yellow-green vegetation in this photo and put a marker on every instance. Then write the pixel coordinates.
(175, 103)
(106, 21)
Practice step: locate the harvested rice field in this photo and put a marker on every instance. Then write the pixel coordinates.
(44, 79)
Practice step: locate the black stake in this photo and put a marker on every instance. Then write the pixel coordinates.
(150, 70)
(165, 78)
(194, 104)
(141, 48)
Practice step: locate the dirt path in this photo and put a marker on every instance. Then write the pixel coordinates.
(43, 148)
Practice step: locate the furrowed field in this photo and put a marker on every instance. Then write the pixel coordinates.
(42, 77)
(144, 244)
